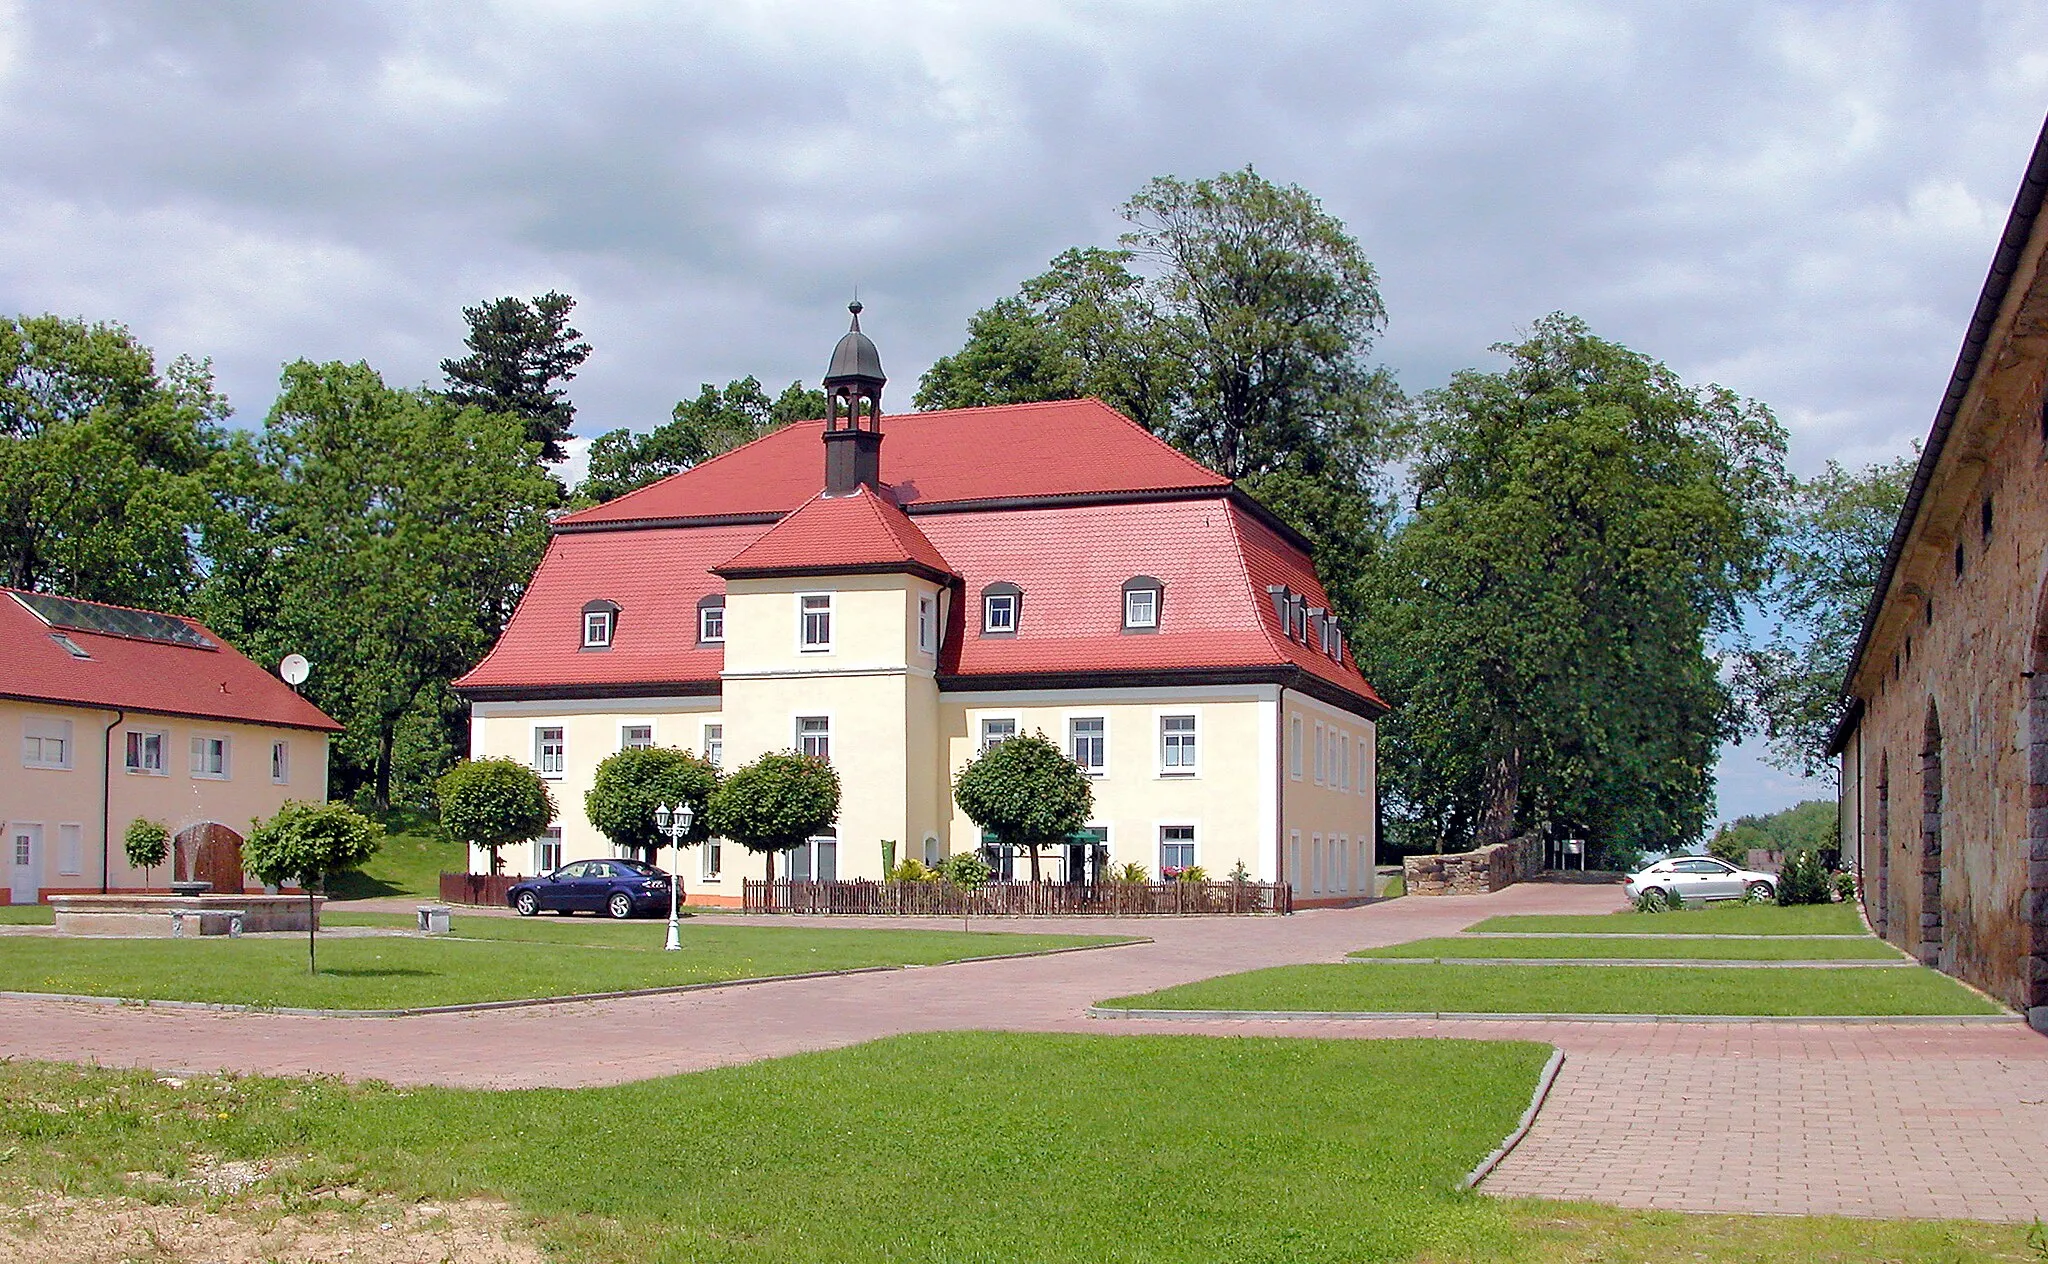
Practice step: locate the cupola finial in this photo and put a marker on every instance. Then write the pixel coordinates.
(853, 418)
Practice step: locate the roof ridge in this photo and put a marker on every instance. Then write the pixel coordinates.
(713, 459)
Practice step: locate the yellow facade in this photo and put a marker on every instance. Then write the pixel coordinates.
(59, 805)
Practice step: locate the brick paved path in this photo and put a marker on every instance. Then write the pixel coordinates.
(1904, 1121)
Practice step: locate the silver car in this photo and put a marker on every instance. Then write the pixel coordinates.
(1697, 879)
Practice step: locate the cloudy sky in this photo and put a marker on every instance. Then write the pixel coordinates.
(1795, 200)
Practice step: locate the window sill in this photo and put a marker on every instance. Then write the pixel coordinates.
(47, 767)
(210, 776)
(1178, 776)
(146, 772)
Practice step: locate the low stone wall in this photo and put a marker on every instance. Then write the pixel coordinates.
(1478, 872)
(179, 916)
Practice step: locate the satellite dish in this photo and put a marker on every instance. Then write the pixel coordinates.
(295, 669)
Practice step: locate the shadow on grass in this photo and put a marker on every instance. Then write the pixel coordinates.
(373, 972)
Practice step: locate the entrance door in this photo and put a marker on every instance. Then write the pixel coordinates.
(24, 861)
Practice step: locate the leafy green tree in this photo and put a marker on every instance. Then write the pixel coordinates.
(306, 842)
(1827, 569)
(631, 783)
(1585, 525)
(1242, 339)
(103, 463)
(1811, 826)
(494, 803)
(1026, 792)
(718, 420)
(518, 352)
(387, 535)
(774, 804)
(146, 844)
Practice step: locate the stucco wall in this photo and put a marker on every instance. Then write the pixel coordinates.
(1328, 809)
(53, 798)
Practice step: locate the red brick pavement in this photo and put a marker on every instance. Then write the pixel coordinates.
(1819, 1118)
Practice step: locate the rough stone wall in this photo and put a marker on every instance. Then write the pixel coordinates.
(1475, 872)
(1952, 750)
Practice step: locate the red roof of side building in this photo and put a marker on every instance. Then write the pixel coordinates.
(968, 454)
(126, 673)
(847, 534)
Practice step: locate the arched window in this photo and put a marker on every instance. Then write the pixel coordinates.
(711, 619)
(1144, 603)
(600, 624)
(1002, 609)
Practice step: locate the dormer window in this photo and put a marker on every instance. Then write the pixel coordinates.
(1001, 606)
(600, 621)
(1142, 595)
(711, 620)
(1315, 622)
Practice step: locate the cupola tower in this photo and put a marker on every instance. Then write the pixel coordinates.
(853, 418)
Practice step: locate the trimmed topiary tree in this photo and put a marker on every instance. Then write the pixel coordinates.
(147, 845)
(494, 803)
(1026, 792)
(308, 841)
(631, 783)
(775, 803)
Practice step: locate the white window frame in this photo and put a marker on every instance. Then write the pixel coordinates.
(1344, 762)
(597, 629)
(713, 744)
(201, 747)
(927, 623)
(1179, 771)
(983, 720)
(626, 741)
(711, 863)
(1294, 746)
(42, 730)
(1315, 864)
(1193, 843)
(70, 850)
(550, 840)
(705, 617)
(988, 609)
(280, 762)
(540, 752)
(804, 611)
(1340, 855)
(1294, 859)
(1322, 753)
(796, 728)
(163, 746)
(1151, 596)
(1094, 770)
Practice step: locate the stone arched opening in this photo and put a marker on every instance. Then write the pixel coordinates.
(208, 852)
(1932, 938)
(2034, 905)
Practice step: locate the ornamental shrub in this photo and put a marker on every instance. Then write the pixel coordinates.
(966, 870)
(1129, 871)
(147, 844)
(631, 783)
(1802, 880)
(1027, 793)
(494, 803)
(1845, 887)
(911, 869)
(1193, 873)
(775, 803)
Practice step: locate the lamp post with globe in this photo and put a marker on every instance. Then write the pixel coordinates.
(674, 823)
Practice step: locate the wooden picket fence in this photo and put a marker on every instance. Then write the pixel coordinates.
(1014, 899)
(477, 888)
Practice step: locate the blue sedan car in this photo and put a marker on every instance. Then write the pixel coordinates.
(621, 888)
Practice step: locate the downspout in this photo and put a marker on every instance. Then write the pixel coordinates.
(1280, 790)
(107, 798)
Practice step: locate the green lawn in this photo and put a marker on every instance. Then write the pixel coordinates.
(942, 1148)
(1560, 946)
(1517, 989)
(26, 915)
(411, 861)
(512, 960)
(1715, 919)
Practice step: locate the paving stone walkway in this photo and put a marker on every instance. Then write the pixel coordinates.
(1808, 1118)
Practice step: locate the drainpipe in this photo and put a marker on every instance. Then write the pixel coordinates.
(107, 797)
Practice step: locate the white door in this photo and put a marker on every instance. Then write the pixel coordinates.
(24, 855)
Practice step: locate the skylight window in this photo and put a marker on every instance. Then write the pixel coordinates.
(136, 625)
(71, 647)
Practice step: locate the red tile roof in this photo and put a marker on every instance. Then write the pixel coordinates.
(859, 532)
(124, 673)
(965, 454)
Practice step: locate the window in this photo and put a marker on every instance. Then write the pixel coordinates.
(1315, 864)
(1959, 569)
(1322, 754)
(1177, 745)
(146, 753)
(816, 614)
(931, 850)
(1141, 604)
(636, 736)
(1294, 859)
(210, 757)
(46, 743)
(549, 752)
(1984, 519)
(711, 620)
(281, 763)
(1176, 849)
(999, 613)
(926, 617)
(997, 730)
(547, 850)
(597, 629)
(1294, 747)
(817, 860)
(714, 859)
(1087, 742)
(70, 849)
(814, 735)
(714, 745)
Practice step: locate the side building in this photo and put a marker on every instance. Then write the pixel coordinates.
(113, 714)
(1028, 568)
(1944, 746)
